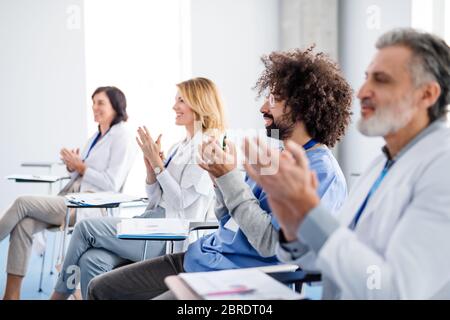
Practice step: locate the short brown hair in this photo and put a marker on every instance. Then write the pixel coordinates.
(117, 100)
(314, 89)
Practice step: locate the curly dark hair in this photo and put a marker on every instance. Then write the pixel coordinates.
(314, 89)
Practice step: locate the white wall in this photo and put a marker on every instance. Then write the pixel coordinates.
(42, 88)
(135, 45)
(307, 22)
(43, 95)
(228, 39)
(361, 23)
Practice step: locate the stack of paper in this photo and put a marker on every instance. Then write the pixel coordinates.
(147, 228)
(237, 284)
(34, 178)
(99, 198)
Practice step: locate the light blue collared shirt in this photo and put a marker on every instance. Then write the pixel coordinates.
(227, 249)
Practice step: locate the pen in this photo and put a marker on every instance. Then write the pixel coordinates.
(242, 290)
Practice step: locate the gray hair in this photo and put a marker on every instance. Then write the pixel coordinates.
(431, 62)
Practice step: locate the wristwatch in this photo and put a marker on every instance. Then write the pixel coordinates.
(157, 170)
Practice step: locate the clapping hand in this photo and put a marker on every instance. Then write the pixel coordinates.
(72, 160)
(216, 160)
(150, 148)
(289, 183)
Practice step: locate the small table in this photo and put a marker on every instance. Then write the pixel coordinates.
(40, 180)
(109, 207)
(183, 291)
(41, 164)
(180, 289)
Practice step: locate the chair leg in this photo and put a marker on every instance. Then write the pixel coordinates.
(65, 233)
(144, 253)
(41, 278)
(52, 261)
(170, 247)
(60, 248)
(298, 287)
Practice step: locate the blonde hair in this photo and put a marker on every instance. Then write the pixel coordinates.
(203, 98)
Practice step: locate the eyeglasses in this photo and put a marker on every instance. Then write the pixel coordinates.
(271, 99)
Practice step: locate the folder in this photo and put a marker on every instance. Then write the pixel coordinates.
(99, 198)
(153, 229)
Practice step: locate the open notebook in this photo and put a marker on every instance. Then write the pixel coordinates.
(237, 284)
(148, 228)
(99, 198)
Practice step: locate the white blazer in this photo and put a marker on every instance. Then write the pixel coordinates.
(183, 189)
(400, 248)
(109, 161)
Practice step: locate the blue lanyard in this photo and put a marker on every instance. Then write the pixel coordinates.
(372, 190)
(166, 164)
(97, 139)
(311, 143)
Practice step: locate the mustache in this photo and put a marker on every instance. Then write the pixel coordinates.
(367, 102)
(267, 115)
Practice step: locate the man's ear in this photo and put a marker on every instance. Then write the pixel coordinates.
(430, 94)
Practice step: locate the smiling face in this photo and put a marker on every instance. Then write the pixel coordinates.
(184, 114)
(388, 97)
(104, 113)
(277, 119)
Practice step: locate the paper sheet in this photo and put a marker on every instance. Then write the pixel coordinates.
(147, 227)
(238, 284)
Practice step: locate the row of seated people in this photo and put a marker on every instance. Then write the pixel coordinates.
(286, 208)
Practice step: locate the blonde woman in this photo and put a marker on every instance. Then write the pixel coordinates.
(176, 187)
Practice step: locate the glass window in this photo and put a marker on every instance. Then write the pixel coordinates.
(142, 47)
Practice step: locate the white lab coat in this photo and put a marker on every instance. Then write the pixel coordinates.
(108, 164)
(109, 161)
(400, 248)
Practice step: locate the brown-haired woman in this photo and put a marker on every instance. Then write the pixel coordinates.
(102, 166)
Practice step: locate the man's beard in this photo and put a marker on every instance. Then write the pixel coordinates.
(281, 129)
(387, 119)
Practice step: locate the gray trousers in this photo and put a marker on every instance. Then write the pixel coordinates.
(94, 249)
(138, 281)
(28, 215)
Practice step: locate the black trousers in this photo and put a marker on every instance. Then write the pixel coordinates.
(138, 281)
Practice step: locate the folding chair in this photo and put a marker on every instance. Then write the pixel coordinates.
(49, 166)
(68, 230)
(194, 226)
(297, 278)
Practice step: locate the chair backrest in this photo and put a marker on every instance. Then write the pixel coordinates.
(129, 170)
